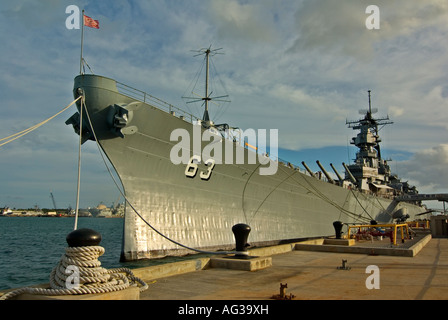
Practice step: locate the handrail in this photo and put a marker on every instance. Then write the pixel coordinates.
(419, 224)
(390, 225)
(146, 97)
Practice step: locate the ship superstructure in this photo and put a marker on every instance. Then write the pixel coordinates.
(370, 172)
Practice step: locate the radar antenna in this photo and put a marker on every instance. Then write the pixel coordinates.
(208, 52)
(369, 123)
(371, 110)
(368, 120)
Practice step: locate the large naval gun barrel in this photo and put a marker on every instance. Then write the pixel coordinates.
(325, 172)
(337, 173)
(349, 173)
(308, 169)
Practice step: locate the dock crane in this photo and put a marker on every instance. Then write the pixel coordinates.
(52, 198)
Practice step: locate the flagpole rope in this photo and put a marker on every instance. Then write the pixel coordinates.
(20, 134)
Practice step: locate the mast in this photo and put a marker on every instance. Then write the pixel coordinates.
(370, 102)
(82, 42)
(207, 95)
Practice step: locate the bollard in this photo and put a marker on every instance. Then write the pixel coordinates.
(344, 266)
(241, 232)
(338, 228)
(83, 238)
(79, 272)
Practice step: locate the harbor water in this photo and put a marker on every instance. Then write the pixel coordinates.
(31, 246)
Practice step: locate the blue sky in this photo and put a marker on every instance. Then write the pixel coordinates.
(302, 67)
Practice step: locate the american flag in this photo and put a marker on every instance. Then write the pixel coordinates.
(89, 22)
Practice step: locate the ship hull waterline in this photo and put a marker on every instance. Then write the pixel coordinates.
(199, 213)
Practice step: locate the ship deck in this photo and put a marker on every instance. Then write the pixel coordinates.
(314, 275)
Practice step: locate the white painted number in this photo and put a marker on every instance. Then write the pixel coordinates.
(210, 163)
(192, 167)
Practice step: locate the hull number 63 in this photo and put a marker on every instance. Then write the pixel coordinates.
(192, 167)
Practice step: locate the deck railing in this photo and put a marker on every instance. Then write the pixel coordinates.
(154, 101)
(375, 230)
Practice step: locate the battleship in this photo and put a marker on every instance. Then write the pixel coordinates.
(196, 203)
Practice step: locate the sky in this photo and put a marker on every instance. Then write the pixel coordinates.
(300, 66)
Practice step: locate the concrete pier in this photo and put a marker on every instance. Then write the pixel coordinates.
(314, 275)
(416, 270)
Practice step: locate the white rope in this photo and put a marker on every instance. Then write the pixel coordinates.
(20, 134)
(89, 277)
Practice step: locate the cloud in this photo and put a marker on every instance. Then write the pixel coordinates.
(395, 111)
(33, 14)
(243, 20)
(332, 27)
(338, 27)
(310, 101)
(427, 169)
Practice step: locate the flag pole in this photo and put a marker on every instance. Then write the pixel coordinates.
(79, 164)
(82, 42)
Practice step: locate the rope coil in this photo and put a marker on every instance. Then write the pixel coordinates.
(81, 265)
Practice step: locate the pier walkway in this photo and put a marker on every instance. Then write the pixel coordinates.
(314, 275)
(415, 270)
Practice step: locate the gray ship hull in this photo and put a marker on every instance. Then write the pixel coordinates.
(199, 213)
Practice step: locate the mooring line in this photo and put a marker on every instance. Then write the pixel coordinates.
(20, 134)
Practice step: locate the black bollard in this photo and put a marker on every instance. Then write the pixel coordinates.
(338, 228)
(83, 238)
(241, 232)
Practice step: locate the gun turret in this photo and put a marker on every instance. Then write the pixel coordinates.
(352, 178)
(325, 172)
(308, 169)
(337, 174)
